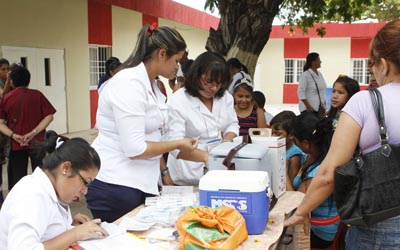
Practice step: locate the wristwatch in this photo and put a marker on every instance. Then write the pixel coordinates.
(164, 172)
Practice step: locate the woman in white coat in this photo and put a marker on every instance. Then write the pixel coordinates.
(132, 118)
(202, 109)
(36, 214)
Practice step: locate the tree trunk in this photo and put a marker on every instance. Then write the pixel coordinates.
(243, 30)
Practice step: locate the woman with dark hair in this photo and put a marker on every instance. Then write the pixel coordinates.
(36, 214)
(112, 65)
(313, 137)
(358, 126)
(312, 85)
(343, 89)
(202, 109)
(132, 119)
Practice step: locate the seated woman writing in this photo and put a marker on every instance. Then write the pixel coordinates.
(35, 215)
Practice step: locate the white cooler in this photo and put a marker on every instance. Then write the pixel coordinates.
(263, 154)
(243, 190)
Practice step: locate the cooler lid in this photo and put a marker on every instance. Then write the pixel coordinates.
(252, 151)
(243, 181)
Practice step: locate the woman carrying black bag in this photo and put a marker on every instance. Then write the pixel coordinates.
(358, 125)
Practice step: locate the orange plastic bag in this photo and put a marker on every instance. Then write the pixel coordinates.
(207, 228)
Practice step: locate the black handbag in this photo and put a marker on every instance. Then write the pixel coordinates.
(367, 187)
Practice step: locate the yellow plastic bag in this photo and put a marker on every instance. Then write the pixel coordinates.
(207, 228)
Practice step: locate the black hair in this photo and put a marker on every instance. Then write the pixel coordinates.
(284, 119)
(259, 98)
(186, 66)
(20, 76)
(112, 64)
(76, 150)
(150, 39)
(4, 61)
(310, 58)
(307, 126)
(234, 62)
(350, 85)
(212, 64)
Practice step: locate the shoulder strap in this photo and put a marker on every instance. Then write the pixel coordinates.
(377, 103)
(316, 85)
(376, 98)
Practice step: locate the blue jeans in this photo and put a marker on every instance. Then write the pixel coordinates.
(384, 235)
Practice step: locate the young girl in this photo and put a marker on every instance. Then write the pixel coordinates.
(36, 215)
(248, 114)
(313, 137)
(343, 88)
(281, 126)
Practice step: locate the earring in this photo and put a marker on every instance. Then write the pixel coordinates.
(65, 172)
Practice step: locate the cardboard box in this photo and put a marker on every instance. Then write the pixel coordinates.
(246, 191)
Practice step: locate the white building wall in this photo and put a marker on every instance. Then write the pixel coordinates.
(335, 56)
(126, 25)
(269, 75)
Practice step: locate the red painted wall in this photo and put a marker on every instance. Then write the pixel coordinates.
(99, 32)
(361, 30)
(359, 47)
(99, 23)
(296, 47)
(290, 93)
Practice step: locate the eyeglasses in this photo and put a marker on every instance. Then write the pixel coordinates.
(209, 83)
(85, 182)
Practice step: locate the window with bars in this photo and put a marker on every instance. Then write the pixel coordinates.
(359, 71)
(98, 55)
(293, 69)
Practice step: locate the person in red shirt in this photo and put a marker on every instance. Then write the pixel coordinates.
(24, 116)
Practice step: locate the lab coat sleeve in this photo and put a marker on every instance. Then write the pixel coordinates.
(176, 122)
(232, 121)
(28, 223)
(129, 106)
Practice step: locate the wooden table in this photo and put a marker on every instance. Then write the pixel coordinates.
(286, 203)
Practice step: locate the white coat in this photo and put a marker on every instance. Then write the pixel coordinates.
(32, 214)
(189, 117)
(131, 111)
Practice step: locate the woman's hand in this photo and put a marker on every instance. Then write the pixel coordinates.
(80, 219)
(89, 230)
(296, 219)
(188, 144)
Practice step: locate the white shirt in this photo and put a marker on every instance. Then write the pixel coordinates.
(189, 117)
(307, 89)
(32, 214)
(131, 111)
(236, 77)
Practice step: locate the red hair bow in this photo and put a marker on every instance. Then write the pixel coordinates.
(152, 27)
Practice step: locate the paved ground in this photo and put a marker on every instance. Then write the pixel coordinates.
(90, 135)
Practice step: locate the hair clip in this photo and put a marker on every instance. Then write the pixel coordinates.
(59, 142)
(315, 131)
(151, 29)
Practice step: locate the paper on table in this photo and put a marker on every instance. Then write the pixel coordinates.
(131, 224)
(124, 241)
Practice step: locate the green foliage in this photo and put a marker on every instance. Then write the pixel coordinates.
(305, 13)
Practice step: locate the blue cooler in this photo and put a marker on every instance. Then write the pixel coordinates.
(246, 191)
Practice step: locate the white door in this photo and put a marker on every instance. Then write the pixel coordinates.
(47, 70)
